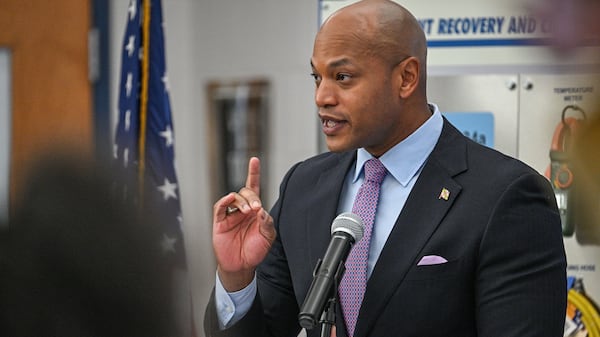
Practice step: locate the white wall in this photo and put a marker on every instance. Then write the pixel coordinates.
(230, 40)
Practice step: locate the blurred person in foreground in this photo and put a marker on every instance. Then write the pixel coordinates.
(574, 23)
(586, 169)
(466, 241)
(575, 26)
(75, 262)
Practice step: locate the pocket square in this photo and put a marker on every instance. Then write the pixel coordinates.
(428, 260)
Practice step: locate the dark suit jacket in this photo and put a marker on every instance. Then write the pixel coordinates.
(499, 229)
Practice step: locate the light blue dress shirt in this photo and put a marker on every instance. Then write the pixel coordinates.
(404, 163)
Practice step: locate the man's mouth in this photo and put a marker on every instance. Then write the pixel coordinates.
(331, 127)
(328, 123)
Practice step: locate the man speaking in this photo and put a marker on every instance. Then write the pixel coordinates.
(459, 239)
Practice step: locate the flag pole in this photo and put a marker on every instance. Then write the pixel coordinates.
(144, 99)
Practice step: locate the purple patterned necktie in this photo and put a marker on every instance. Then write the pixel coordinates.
(354, 281)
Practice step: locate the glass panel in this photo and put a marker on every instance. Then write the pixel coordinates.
(5, 130)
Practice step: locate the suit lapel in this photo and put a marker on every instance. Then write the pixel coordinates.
(422, 213)
(324, 207)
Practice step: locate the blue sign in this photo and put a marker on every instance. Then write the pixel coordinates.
(479, 126)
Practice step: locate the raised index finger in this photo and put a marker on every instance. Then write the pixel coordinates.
(253, 179)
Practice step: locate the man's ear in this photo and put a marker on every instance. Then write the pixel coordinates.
(407, 74)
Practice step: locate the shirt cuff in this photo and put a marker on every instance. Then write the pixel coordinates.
(231, 307)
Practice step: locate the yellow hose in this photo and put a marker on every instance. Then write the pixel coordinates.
(589, 315)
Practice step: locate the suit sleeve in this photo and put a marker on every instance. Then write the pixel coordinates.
(252, 324)
(521, 276)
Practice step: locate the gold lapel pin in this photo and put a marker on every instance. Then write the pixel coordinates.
(444, 194)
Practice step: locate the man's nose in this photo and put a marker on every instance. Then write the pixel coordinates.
(325, 95)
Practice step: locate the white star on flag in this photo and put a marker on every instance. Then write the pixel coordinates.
(168, 190)
(168, 244)
(167, 135)
(125, 157)
(165, 81)
(130, 47)
(129, 84)
(127, 119)
(132, 9)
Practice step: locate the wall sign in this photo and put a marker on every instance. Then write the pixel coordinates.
(478, 126)
(483, 33)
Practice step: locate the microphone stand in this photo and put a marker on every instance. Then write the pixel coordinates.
(328, 316)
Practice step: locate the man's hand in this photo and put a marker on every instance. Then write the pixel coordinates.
(242, 232)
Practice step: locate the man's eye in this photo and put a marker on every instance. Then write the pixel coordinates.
(315, 77)
(342, 77)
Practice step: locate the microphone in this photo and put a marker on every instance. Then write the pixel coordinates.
(346, 229)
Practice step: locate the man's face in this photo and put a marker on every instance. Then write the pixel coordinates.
(356, 95)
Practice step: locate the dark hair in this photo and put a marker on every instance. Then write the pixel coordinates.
(76, 263)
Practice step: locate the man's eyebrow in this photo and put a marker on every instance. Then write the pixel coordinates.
(334, 64)
(338, 63)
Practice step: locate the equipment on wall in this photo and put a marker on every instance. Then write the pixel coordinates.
(582, 312)
(559, 172)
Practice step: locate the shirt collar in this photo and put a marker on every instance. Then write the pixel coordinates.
(406, 158)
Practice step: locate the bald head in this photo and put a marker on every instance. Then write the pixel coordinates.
(384, 28)
(368, 62)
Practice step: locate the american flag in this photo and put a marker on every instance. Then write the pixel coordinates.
(144, 144)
